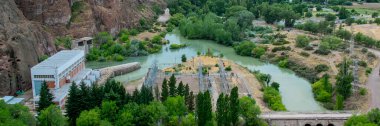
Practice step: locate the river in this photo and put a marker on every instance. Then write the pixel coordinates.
(296, 92)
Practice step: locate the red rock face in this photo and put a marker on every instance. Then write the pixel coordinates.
(21, 43)
(28, 29)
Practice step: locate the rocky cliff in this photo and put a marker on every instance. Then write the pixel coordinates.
(21, 43)
(28, 29)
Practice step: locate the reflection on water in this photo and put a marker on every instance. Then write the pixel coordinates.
(296, 92)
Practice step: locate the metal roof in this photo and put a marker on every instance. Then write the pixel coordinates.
(59, 59)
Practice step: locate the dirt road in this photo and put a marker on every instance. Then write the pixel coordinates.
(373, 83)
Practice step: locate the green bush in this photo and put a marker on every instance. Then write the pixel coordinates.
(321, 68)
(281, 48)
(302, 41)
(309, 14)
(368, 71)
(177, 46)
(63, 41)
(257, 52)
(362, 91)
(283, 63)
(118, 57)
(322, 89)
(42, 58)
(330, 17)
(377, 21)
(244, 48)
(228, 68)
(304, 54)
(362, 63)
(273, 99)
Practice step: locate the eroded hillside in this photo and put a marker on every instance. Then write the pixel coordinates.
(29, 27)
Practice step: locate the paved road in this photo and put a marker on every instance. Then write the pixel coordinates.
(373, 83)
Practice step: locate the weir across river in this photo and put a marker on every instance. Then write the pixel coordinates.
(329, 118)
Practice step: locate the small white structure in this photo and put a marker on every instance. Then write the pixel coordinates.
(84, 43)
(58, 71)
(12, 100)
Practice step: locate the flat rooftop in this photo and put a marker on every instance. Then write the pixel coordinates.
(59, 59)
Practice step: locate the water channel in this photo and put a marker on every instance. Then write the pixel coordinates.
(296, 91)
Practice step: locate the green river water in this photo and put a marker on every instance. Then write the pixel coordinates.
(296, 91)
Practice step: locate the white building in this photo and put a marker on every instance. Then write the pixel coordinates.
(58, 71)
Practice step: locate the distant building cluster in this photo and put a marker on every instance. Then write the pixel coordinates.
(59, 72)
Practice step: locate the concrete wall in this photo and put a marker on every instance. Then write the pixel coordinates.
(294, 122)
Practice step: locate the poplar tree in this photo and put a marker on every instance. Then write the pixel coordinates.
(181, 89)
(164, 90)
(204, 108)
(72, 104)
(190, 102)
(172, 87)
(146, 95)
(45, 97)
(234, 105)
(344, 79)
(221, 111)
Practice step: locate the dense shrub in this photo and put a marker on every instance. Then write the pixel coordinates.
(321, 68)
(330, 17)
(302, 70)
(322, 89)
(302, 41)
(283, 63)
(281, 48)
(258, 51)
(362, 63)
(273, 99)
(177, 46)
(304, 54)
(377, 21)
(244, 48)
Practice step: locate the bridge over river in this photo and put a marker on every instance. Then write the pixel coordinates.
(328, 118)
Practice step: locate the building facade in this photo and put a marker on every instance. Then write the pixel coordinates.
(58, 71)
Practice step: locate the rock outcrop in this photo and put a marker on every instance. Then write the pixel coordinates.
(21, 43)
(28, 29)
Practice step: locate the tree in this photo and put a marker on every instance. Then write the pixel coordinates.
(181, 89)
(275, 85)
(15, 115)
(250, 112)
(257, 52)
(302, 41)
(175, 106)
(339, 103)
(330, 17)
(190, 102)
(344, 13)
(377, 21)
(374, 116)
(222, 110)
(375, 14)
(309, 14)
(108, 111)
(234, 106)
(158, 111)
(51, 116)
(45, 97)
(343, 34)
(89, 118)
(344, 79)
(73, 107)
(172, 87)
(165, 90)
(183, 58)
(146, 95)
(204, 108)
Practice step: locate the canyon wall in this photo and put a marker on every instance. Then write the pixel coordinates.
(28, 29)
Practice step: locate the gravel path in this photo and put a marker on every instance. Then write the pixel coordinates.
(373, 83)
